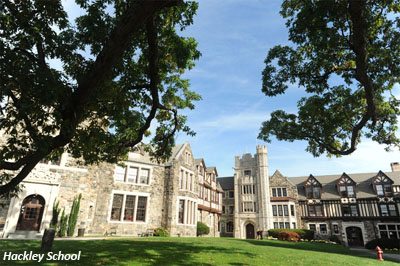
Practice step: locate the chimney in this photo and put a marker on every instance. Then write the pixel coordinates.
(395, 166)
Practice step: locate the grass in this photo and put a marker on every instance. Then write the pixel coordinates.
(195, 251)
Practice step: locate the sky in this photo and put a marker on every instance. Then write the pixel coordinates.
(234, 37)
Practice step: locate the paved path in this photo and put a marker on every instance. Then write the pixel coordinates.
(395, 257)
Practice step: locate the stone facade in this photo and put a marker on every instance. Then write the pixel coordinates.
(128, 199)
(252, 195)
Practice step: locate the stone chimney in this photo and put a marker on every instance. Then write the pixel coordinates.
(395, 166)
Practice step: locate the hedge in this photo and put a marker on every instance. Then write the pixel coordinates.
(303, 233)
(160, 231)
(383, 243)
(202, 229)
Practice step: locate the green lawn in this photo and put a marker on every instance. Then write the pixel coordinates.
(197, 251)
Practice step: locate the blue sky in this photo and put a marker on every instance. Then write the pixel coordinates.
(234, 37)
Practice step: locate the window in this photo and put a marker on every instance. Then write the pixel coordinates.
(247, 172)
(132, 174)
(389, 231)
(229, 227)
(315, 210)
(223, 195)
(223, 209)
(274, 211)
(279, 192)
(181, 214)
(141, 209)
(336, 229)
(347, 191)
(349, 210)
(280, 212)
(129, 208)
(294, 225)
(119, 173)
(287, 225)
(231, 194)
(116, 208)
(379, 190)
(312, 227)
(281, 225)
(292, 210)
(388, 210)
(276, 225)
(322, 229)
(230, 210)
(285, 210)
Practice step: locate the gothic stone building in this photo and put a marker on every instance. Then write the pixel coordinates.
(355, 208)
(128, 199)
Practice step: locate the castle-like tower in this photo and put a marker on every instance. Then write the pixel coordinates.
(252, 197)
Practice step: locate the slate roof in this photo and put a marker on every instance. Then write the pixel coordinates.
(226, 183)
(364, 188)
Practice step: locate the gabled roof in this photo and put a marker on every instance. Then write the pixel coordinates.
(345, 179)
(381, 177)
(199, 161)
(364, 188)
(212, 169)
(226, 183)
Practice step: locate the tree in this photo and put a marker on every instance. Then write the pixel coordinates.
(346, 55)
(120, 68)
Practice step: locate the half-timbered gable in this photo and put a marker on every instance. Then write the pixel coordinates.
(346, 186)
(366, 201)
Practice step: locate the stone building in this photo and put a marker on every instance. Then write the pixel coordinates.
(354, 208)
(131, 198)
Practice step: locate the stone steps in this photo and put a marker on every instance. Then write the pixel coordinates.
(25, 235)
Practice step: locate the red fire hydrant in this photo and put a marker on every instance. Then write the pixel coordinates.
(379, 253)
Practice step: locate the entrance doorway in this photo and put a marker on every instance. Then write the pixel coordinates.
(31, 213)
(354, 236)
(250, 231)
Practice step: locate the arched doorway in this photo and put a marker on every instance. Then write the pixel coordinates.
(250, 231)
(354, 236)
(31, 213)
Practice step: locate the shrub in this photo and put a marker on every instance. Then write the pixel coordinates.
(63, 224)
(303, 233)
(73, 216)
(56, 214)
(334, 238)
(288, 236)
(202, 229)
(383, 243)
(161, 232)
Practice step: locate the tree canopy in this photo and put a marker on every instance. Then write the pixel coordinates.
(346, 55)
(94, 86)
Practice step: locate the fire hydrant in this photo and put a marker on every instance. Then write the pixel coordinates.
(379, 253)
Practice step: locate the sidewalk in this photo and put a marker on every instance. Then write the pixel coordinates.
(391, 256)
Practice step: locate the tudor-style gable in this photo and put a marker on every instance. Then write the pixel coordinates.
(313, 188)
(280, 186)
(346, 186)
(382, 185)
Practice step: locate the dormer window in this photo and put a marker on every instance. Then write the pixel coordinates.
(313, 188)
(382, 184)
(346, 186)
